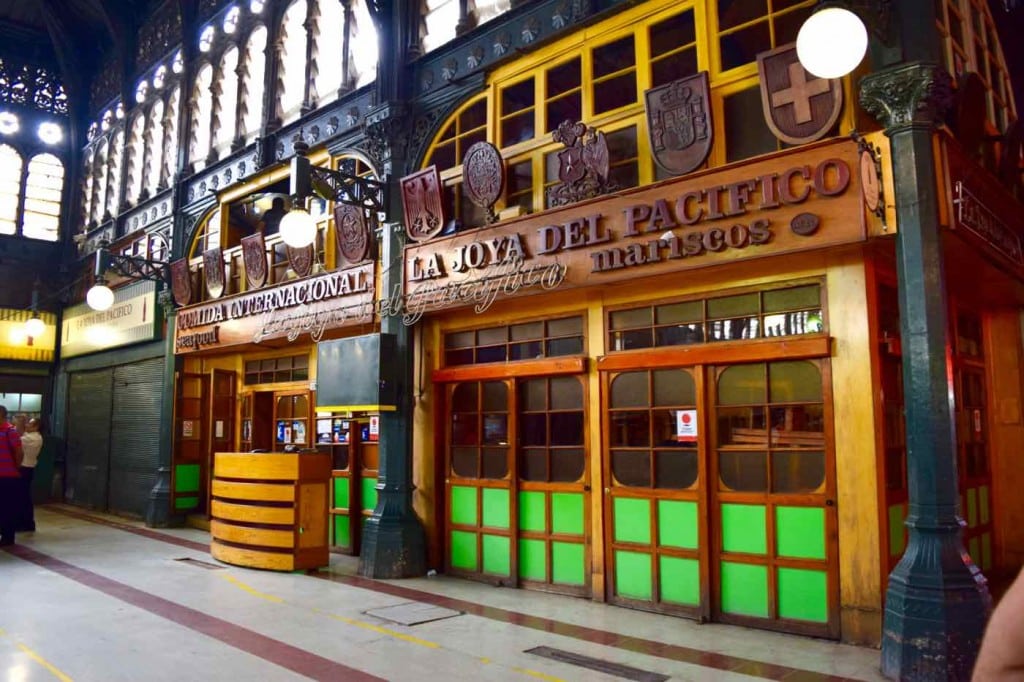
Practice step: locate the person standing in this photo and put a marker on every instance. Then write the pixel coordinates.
(10, 479)
(31, 444)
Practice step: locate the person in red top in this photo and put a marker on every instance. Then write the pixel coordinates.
(10, 483)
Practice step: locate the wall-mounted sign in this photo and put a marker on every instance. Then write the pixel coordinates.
(798, 107)
(686, 426)
(133, 318)
(679, 123)
(312, 306)
(796, 200)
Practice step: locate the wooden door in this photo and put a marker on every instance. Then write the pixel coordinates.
(223, 404)
(774, 559)
(191, 468)
(337, 436)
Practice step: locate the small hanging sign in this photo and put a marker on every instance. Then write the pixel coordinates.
(686, 426)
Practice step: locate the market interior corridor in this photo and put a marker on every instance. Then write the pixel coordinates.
(90, 597)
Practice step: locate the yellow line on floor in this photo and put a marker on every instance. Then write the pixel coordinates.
(383, 631)
(39, 659)
(256, 593)
(538, 675)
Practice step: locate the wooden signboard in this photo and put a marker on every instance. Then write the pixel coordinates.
(805, 198)
(314, 306)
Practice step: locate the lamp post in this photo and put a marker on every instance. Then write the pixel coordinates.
(100, 297)
(937, 602)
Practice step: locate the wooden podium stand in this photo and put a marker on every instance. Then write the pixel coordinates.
(270, 510)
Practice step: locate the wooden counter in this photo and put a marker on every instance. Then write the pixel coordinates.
(269, 510)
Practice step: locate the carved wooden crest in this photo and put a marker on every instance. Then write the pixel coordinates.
(254, 255)
(483, 176)
(582, 166)
(213, 268)
(679, 123)
(301, 259)
(181, 281)
(421, 201)
(351, 233)
(798, 107)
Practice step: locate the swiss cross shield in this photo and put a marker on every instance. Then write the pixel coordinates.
(679, 123)
(181, 281)
(254, 255)
(421, 201)
(798, 107)
(213, 267)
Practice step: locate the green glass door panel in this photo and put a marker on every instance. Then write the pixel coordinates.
(972, 507)
(983, 510)
(631, 520)
(986, 551)
(341, 492)
(974, 548)
(186, 478)
(633, 575)
(744, 528)
(497, 556)
(368, 487)
(495, 507)
(744, 589)
(567, 513)
(463, 505)
(677, 524)
(803, 594)
(533, 560)
(568, 563)
(464, 550)
(342, 531)
(800, 532)
(679, 580)
(531, 511)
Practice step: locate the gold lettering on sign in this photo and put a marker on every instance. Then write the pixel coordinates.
(976, 217)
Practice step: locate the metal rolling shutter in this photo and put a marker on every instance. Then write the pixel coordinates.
(88, 454)
(135, 435)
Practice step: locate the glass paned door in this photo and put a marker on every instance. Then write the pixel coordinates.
(772, 502)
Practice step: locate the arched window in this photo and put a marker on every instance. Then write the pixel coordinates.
(170, 138)
(10, 188)
(252, 83)
(363, 44)
(43, 189)
(99, 185)
(330, 42)
(136, 147)
(202, 108)
(440, 17)
(114, 173)
(226, 105)
(291, 75)
(154, 147)
(87, 184)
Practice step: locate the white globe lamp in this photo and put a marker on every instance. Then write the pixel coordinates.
(832, 42)
(298, 229)
(34, 326)
(99, 297)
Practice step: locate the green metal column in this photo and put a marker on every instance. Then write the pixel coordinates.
(937, 602)
(159, 511)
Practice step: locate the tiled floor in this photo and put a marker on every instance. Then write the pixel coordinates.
(91, 597)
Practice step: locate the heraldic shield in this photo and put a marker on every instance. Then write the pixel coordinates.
(181, 282)
(351, 233)
(679, 123)
(798, 107)
(254, 255)
(421, 200)
(213, 266)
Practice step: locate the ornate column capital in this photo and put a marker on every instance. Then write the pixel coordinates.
(386, 135)
(914, 94)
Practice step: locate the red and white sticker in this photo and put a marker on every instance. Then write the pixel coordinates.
(686, 426)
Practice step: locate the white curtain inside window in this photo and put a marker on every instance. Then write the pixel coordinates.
(485, 10)
(10, 187)
(87, 185)
(136, 145)
(252, 83)
(228, 101)
(363, 43)
(99, 169)
(202, 109)
(440, 17)
(154, 146)
(114, 173)
(291, 78)
(170, 136)
(329, 44)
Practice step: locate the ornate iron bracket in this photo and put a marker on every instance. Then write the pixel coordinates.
(132, 267)
(332, 185)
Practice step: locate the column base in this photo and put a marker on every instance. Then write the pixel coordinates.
(393, 546)
(158, 509)
(936, 608)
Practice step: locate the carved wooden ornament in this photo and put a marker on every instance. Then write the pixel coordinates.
(483, 176)
(679, 123)
(254, 255)
(301, 259)
(582, 166)
(351, 233)
(798, 107)
(181, 282)
(213, 268)
(421, 201)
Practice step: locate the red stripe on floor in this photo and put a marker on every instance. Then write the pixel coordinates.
(674, 652)
(275, 651)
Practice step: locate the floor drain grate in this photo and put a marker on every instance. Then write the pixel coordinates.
(413, 613)
(618, 670)
(201, 564)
